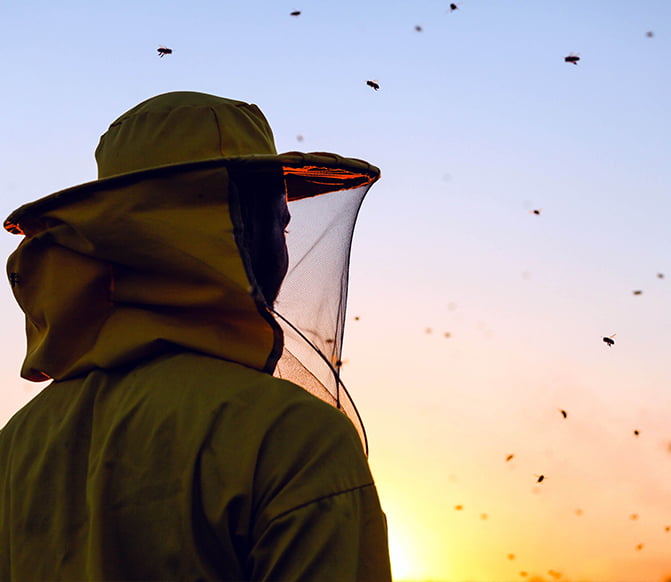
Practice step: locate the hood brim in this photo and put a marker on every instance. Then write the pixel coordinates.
(305, 174)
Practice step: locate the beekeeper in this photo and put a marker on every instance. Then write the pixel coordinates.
(170, 444)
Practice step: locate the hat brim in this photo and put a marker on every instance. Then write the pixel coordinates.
(305, 174)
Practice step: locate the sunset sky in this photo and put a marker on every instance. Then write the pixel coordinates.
(478, 121)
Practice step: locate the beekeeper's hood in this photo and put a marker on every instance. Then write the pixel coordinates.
(148, 258)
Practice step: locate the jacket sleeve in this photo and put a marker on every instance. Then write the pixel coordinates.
(286, 488)
(317, 515)
(338, 538)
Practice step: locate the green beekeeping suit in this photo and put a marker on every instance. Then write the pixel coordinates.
(164, 448)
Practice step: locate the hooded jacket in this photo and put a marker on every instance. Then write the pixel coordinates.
(164, 449)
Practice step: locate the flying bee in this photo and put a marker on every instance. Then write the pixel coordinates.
(295, 13)
(660, 275)
(638, 292)
(540, 479)
(458, 507)
(299, 138)
(572, 59)
(374, 84)
(509, 457)
(609, 340)
(453, 7)
(650, 34)
(418, 28)
(564, 413)
(636, 433)
(537, 211)
(162, 51)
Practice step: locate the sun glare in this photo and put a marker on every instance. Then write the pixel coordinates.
(399, 553)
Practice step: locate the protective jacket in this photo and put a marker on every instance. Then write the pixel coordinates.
(164, 449)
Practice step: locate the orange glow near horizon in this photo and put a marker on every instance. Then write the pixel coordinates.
(447, 463)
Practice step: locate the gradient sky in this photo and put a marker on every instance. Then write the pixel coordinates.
(478, 120)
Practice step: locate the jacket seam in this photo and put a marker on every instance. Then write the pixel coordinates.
(316, 499)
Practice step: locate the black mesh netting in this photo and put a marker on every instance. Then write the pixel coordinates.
(312, 302)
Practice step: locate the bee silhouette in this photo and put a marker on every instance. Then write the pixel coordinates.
(563, 413)
(453, 7)
(374, 84)
(458, 507)
(299, 138)
(162, 51)
(295, 13)
(536, 211)
(418, 28)
(609, 340)
(636, 433)
(638, 292)
(660, 275)
(572, 59)
(650, 34)
(509, 457)
(540, 479)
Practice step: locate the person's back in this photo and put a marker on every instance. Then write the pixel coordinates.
(179, 468)
(165, 449)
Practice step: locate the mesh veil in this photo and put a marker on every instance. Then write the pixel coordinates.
(325, 192)
(311, 305)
